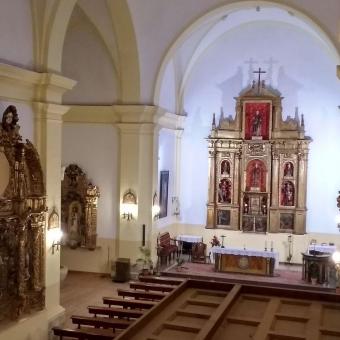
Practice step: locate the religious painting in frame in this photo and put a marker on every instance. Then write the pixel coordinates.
(286, 222)
(163, 193)
(257, 120)
(223, 217)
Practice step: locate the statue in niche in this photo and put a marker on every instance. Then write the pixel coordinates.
(256, 124)
(256, 176)
(79, 209)
(224, 193)
(287, 194)
(225, 168)
(288, 170)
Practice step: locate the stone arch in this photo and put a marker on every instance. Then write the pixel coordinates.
(49, 57)
(223, 11)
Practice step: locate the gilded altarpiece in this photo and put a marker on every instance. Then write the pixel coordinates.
(258, 166)
(79, 201)
(22, 222)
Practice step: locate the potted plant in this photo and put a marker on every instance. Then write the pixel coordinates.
(215, 242)
(145, 260)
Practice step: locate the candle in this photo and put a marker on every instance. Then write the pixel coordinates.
(271, 245)
(265, 245)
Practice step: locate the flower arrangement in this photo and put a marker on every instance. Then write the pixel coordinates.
(215, 242)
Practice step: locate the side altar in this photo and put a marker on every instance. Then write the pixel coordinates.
(247, 261)
(258, 166)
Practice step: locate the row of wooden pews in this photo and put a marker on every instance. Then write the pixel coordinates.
(118, 313)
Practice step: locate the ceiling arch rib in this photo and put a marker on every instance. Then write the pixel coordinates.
(230, 16)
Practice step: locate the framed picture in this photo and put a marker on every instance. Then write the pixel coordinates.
(163, 194)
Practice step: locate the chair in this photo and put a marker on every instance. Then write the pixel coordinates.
(166, 246)
(198, 252)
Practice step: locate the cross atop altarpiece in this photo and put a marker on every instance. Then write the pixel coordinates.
(259, 72)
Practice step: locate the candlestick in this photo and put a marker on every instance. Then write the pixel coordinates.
(271, 246)
(265, 245)
(143, 235)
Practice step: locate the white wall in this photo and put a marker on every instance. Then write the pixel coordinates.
(16, 33)
(86, 59)
(95, 149)
(305, 75)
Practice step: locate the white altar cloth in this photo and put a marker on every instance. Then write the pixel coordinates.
(247, 252)
(325, 248)
(189, 238)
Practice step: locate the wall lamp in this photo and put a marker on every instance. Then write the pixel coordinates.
(155, 207)
(56, 237)
(129, 205)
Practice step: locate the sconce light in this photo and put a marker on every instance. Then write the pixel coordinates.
(129, 205)
(56, 237)
(155, 207)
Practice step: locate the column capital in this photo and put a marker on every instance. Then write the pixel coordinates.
(49, 111)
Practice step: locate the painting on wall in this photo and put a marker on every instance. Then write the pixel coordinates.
(287, 222)
(163, 194)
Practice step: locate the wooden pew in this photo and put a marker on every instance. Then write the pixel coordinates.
(161, 280)
(112, 312)
(125, 303)
(84, 333)
(151, 287)
(98, 322)
(141, 294)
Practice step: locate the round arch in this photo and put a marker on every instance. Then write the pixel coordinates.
(124, 34)
(223, 11)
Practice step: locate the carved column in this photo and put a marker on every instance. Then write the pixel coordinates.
(301, 188)
(236, 179)
(275, 179)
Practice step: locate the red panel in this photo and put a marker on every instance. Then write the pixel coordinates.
(257, 117)
(256, 175)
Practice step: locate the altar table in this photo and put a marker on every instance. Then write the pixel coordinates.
(249, 261)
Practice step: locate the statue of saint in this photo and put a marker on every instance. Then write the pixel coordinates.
(225, 168)
(256, 124)
(224, 194)
(256, 176)
(288, 170)
(287, 194)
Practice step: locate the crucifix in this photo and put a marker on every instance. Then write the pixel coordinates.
(259, 72)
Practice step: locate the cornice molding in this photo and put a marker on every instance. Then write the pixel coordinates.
(123, 115)
(20, 84)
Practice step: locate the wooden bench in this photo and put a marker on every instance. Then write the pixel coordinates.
(151, 287)
(141, 294)
(161, 280)
(125, 303)
(112, 312)
(98, 322)
(84, 333)
(166, 246)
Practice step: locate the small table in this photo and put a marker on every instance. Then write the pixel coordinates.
(185, 242)
(322, 261)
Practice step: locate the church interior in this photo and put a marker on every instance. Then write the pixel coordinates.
(178, 142)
